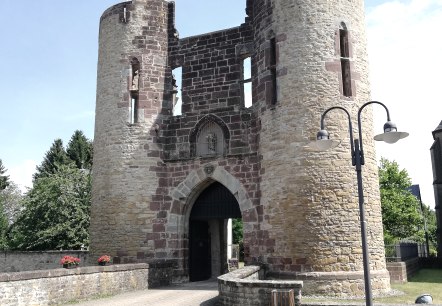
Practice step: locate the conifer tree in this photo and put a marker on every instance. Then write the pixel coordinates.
(79, 149)
(4, 179)
(55, 156)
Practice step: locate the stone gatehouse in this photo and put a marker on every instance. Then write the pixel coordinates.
(164, 185)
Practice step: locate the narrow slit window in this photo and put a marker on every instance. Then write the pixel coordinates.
(177, 102)
(345, 62)
(134, 86)
(343, 40)
(273, 70)
(134, 110)
(247, 82)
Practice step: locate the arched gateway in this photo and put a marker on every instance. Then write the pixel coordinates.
(208, 231)
(207, 198)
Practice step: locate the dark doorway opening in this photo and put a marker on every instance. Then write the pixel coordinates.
(200, 257)
(208, 232)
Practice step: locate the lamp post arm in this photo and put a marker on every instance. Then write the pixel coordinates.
(360, 125)
(350, 127)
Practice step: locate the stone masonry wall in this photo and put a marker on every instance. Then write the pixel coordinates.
(244, 287)
(299, 207)
(212, 70)
(125, 151)
(309, 198)
(401, 271)
(29, 261)
(61, 286)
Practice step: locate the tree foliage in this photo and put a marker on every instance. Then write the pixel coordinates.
(3, 228)
(400, 208)
(4, 183)
(12, 200)
(56, 212)
(431, 224)
(237, 231)
(55, 156)
(10, 206)
(4, 179)
(80, 150)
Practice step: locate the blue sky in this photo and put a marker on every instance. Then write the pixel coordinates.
(48, 58)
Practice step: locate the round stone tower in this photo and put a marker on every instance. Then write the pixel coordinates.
(311, 228)
(133, 48)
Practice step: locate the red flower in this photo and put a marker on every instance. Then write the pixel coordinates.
(104, 258)
(70, 260)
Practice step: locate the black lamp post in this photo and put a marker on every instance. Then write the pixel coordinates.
(390, 135)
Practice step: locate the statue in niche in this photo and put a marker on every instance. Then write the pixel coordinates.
(211, 142)
(135, 80)
(174, 85)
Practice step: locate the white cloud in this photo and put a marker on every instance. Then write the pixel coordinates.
(22, 174)
(405, 63)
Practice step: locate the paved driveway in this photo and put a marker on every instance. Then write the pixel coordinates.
(189, 294)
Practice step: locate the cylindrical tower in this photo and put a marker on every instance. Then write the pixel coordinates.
(132, 66)
(314, 52)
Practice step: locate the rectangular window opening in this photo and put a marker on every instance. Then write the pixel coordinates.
(247, 82)
(346, 77)
(133, 109)
(343, 41)
(345, 63)
(177, 101)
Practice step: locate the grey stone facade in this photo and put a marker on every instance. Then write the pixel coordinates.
(245, 287)
(299, 207)
(38, 260)
(62, 286)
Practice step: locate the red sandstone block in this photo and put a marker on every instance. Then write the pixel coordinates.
(158, 228)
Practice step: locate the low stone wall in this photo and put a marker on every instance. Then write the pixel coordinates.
(60, 286)
(30, 261)
(160, 273)
(246, 287)
(401, 271)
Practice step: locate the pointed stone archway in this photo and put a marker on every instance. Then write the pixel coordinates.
(186, 194)
(209, 231)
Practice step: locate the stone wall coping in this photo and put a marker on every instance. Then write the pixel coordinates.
(46, 252)
(208, 34)
(27, 275)
(339, 275)
(241, 277)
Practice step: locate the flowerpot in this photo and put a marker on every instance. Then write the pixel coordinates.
(102, 263)
(68, 266)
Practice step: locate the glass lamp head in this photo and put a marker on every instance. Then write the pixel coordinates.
(390, 135)
(323, 141)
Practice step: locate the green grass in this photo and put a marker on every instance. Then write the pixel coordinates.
(425, 281)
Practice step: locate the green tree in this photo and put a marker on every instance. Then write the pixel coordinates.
(55, 155)
(430, 219)
(79, 149)
(4, 183)
(4, 179)
(237, 231)
(237, 236)
(56, 212)
(401, 215)
(3, 228)
(12, 200)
